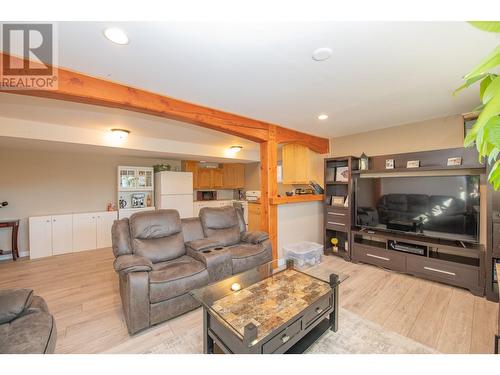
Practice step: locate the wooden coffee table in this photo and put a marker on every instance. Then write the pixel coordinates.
(272, 308)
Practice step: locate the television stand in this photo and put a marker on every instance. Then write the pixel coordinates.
(448, 261)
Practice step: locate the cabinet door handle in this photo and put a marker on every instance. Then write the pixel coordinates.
(440, 271)
(335, 223)
(285, 338)
(319, 310)
(376, 256)
(336, 214)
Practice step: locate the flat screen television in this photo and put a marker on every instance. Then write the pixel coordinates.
(445, 207)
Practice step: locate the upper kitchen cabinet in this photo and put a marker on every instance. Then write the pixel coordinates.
(233, 175)
(298, 164)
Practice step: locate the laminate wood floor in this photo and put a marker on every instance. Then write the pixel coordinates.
(81, 290)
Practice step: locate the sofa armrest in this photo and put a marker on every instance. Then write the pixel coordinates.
(203, 244)
(255, 237)
(132, 263)
(13, 302)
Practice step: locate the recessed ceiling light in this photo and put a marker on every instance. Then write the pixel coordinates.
(322, 54)
(236, 148)
(322, 117)
(120, 134)
(116, 35)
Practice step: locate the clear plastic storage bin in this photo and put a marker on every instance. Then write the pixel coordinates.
(304, 253)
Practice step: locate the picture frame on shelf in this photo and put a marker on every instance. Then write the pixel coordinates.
(338, 200)
(389, 164)
(413, 164)
(342, 174)
(454, 161)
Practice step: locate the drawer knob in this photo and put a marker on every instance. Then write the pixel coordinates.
(285, 338)
(319, 310)
(335, 223)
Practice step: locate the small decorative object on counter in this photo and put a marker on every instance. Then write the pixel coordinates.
(149, 200)
(111, 206)
(363, 162)
(335, 242)
(161, 167)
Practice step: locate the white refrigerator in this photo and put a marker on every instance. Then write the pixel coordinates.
(174, 190)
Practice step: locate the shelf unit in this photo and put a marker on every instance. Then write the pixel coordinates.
(338, 219)
(134, 183)
(444, 261)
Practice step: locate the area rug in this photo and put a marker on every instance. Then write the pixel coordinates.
(355, 336)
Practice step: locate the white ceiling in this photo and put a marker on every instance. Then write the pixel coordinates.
(381, 74)
(103, 119)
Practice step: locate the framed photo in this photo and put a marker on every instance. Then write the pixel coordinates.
(413, 164)
(389, 164)
(454, 161)
(342, 174)
(338, 200)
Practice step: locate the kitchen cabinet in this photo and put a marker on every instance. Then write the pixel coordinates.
(297, 164)
(210, 178)
(233, 175)
(62, 234)
(84, 231)
(191, 166)
(253, 216)
(40, 234)
(104, 223)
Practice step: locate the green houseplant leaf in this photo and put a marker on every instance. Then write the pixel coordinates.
(491, 61)
(490, 26)
(491, 89)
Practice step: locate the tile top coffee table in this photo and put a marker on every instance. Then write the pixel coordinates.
(273, 308)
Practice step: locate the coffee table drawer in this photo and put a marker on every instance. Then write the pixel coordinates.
(283, 337)
(316, 310)
(379, 257)
(456, 274)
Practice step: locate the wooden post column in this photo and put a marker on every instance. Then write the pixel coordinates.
(269, 188)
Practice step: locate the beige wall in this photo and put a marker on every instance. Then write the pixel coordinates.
(446, 132)
(44, 183)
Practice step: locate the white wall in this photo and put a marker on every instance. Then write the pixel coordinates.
(299, 222)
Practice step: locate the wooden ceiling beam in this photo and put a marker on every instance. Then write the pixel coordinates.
(81, 88)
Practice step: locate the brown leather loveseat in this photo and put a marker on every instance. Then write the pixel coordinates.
(161, 258)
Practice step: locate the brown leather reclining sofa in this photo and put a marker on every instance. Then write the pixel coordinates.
(160, 258)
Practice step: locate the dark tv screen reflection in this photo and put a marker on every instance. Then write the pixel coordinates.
(445, 207)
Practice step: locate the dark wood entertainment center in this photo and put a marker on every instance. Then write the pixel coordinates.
(449, 261)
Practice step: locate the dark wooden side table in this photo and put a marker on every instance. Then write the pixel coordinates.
(14, 224)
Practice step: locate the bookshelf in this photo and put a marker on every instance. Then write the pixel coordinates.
(338, 204)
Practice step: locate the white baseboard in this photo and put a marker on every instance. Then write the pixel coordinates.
(9, 256)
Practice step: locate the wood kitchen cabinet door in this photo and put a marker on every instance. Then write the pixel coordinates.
(296, 161)
(253, 217)
(233, 175)
(204, 178)
(217, 178)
